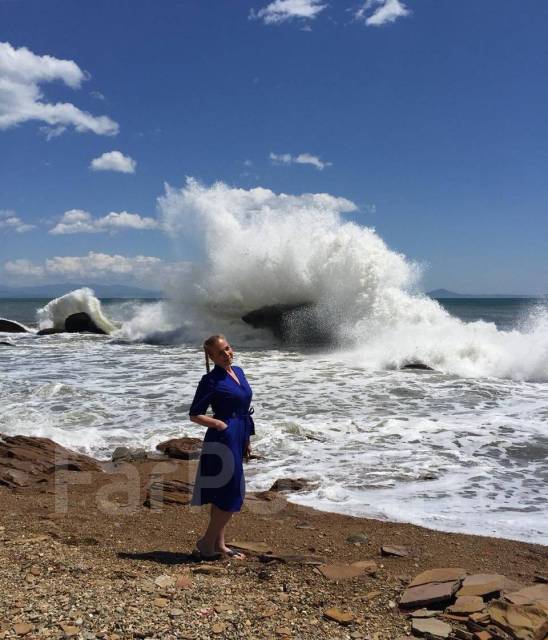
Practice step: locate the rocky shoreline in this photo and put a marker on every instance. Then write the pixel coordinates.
(90, 549)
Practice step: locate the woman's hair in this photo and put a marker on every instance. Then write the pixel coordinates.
(209, 343)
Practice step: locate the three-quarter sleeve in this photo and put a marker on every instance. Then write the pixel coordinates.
(202, 397)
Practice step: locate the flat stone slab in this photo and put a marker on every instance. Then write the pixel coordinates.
(446, 574)
(293, 558)
(367, 566)
(253, 547)
(529, 595)
(340, 571)
(467, 604)
(394, 550)
(424, 613)
(481, 584)
(427, 594)
(523, 622)
(337, 615)
(431, 627)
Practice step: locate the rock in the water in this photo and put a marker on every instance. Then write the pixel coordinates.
(181, 448)
(10, 326)
(431, 627)
(417, 366)
(292, 484)
(522, 622)
(446, 574)
(128, 455)
(481, 584)
(6, 343)
(168, 492)
(82, 323)
(26, 460)
(427, 594)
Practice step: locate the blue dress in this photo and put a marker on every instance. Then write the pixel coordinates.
(220, 476)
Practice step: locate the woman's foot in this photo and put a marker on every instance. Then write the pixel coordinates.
(206, 551)
(231, 553)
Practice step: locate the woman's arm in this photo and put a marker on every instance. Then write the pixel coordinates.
(208, 421)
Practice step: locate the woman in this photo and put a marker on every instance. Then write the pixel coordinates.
(220, 477)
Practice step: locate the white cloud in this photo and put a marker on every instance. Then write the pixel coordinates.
(375, 13)
(113, 161)
(142, 270)
(21, 100)
(302, 158)
(11, 222)
(78, 221)
(24, 268)
(283, 10)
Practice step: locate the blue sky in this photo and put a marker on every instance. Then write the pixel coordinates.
(430, 115)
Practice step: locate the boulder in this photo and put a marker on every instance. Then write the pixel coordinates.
(27, 460)
(81, 323)
(11, 326)
(292, 485)
(181, 448)
(418, 366)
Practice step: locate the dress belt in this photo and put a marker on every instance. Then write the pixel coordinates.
(246, 416)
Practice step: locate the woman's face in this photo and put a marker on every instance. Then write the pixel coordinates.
(221, 353)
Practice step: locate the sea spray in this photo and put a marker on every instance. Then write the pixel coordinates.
(54, 314)
(257, 248)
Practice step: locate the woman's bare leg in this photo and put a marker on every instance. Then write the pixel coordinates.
(213, 539)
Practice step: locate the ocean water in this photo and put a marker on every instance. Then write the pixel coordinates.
(448, 451)
(461, 448)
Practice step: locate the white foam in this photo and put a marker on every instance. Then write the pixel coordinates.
(54, 314)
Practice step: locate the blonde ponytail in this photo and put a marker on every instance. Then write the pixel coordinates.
(209, 343)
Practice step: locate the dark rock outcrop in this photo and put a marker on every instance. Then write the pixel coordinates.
(26, 461)
(181, 448)
(82, 323)
(168, 492)
(10, 326)
(292, 484)
(420, 366)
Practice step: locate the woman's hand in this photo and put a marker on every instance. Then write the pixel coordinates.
(221, 426)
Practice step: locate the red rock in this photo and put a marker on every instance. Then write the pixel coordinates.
(529, 595)
(26, 460)
(467, 604)
(340, 571)
(481, 584)
(523, 622)
(425, 594)
(448, 574)
(431, 627)
(181, 448)
(367, 566)
(22, 628)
